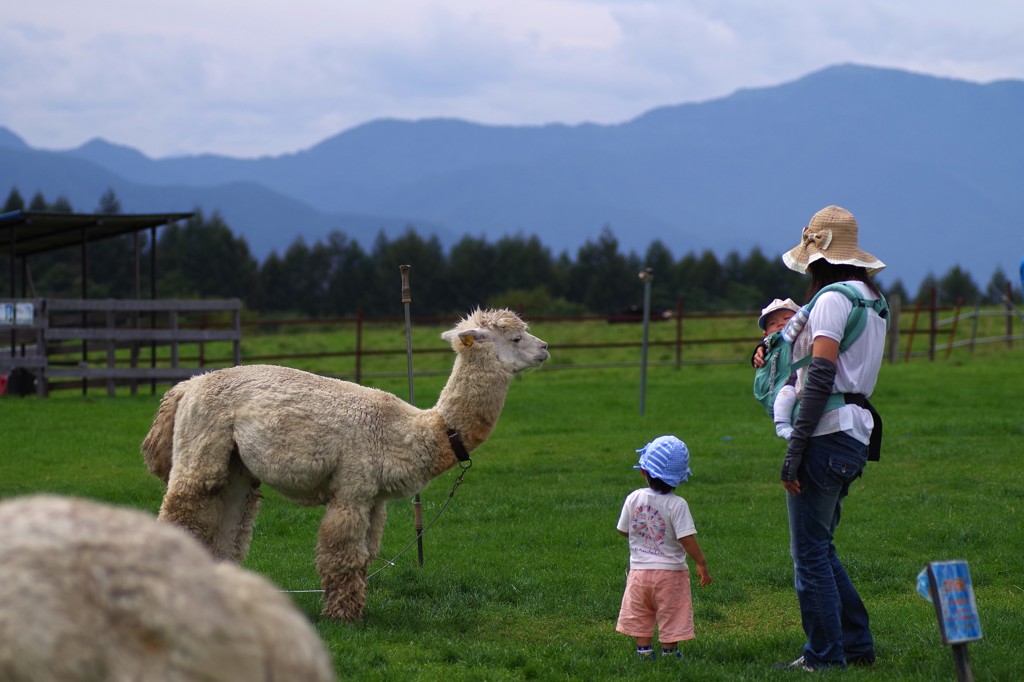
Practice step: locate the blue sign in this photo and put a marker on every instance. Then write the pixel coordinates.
(16, 313)
(953, 595)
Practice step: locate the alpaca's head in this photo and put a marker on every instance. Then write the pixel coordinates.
(497, 334)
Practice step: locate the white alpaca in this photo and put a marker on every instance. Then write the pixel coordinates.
(315, 440)
(95, 593)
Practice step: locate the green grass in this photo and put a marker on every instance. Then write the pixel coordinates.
(524, 570)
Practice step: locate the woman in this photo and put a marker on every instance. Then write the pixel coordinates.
(829, 448)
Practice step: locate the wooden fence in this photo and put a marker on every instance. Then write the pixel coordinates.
(363, 352)
(110, 343)
(936, 328)
(67, 343)
(683, 339)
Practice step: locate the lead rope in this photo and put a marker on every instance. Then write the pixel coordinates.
(464, 466)
(451, 494)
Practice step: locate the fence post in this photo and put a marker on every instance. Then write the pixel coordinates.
(85, 354)
(133, 361)
(952, 332)
(359, 345)
(974, 325)
(152, 326)
(894, 327)
(679, 333)
(202, 345)
(913, 329)
(174, 335)
(1009, 315)
(111, 354)
(236, 345)
(932, 324)
(646, 275)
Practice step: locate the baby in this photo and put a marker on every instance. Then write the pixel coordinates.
(773, 318)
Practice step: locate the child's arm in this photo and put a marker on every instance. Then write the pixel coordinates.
(693, 551)
(623, 533)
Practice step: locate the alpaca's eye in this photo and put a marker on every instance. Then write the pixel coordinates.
(517, 339)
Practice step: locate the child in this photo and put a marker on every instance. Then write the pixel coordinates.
(776, 314)
(773, 318)
(661, 536)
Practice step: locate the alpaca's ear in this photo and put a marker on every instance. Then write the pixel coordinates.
(467, 337)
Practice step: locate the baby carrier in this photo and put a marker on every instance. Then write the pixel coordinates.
(778, 351)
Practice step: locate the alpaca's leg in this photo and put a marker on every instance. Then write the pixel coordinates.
(378, 519)
(199, 474)
(196, 507)
(250, 507)
(341, 560)
(241, 500)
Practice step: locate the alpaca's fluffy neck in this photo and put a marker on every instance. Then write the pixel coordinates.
(472, 399)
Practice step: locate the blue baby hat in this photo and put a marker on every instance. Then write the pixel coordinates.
(667, 458)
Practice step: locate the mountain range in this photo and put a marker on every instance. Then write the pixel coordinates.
(932, 167)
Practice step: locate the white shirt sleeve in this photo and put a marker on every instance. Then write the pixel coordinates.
(829, 315)
(626, 515)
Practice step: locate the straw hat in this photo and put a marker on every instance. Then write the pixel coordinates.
(832, 235)
(777, 304)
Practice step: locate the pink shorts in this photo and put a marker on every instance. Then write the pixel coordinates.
(657, 595)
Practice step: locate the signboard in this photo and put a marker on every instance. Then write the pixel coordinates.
(16, 313)
(953, 595)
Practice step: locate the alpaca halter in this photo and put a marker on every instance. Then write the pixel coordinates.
(458, 446)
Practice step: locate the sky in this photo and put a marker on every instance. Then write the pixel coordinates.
(269, 77)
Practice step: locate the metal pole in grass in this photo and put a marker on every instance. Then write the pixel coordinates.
(417, 505)
(645, 276)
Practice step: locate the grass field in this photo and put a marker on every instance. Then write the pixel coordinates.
(524, 570)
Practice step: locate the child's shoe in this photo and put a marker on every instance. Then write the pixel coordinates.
(674, 654)
(645, 653)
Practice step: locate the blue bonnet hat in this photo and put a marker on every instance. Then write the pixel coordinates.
(667, 458)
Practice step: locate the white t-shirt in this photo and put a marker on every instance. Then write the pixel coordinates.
(655, 522)
(858, 365)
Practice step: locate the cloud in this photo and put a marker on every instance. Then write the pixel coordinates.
(264, 77)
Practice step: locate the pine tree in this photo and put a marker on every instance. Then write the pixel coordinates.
(15, 202)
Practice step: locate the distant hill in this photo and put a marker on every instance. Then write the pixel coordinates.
(933, 168)
(268, 219)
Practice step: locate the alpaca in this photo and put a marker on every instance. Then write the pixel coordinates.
(322, 441)
(91, 593)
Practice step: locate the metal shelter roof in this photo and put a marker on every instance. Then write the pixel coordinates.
(23, 233)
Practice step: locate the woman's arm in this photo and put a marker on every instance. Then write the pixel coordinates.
(821, 377)
(824, 347)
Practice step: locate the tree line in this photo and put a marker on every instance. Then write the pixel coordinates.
(336, 276)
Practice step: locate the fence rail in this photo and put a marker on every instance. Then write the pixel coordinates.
(70, 343)
(112, 342)
(690, 339)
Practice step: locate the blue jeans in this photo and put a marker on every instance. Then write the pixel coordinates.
(833, 616)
